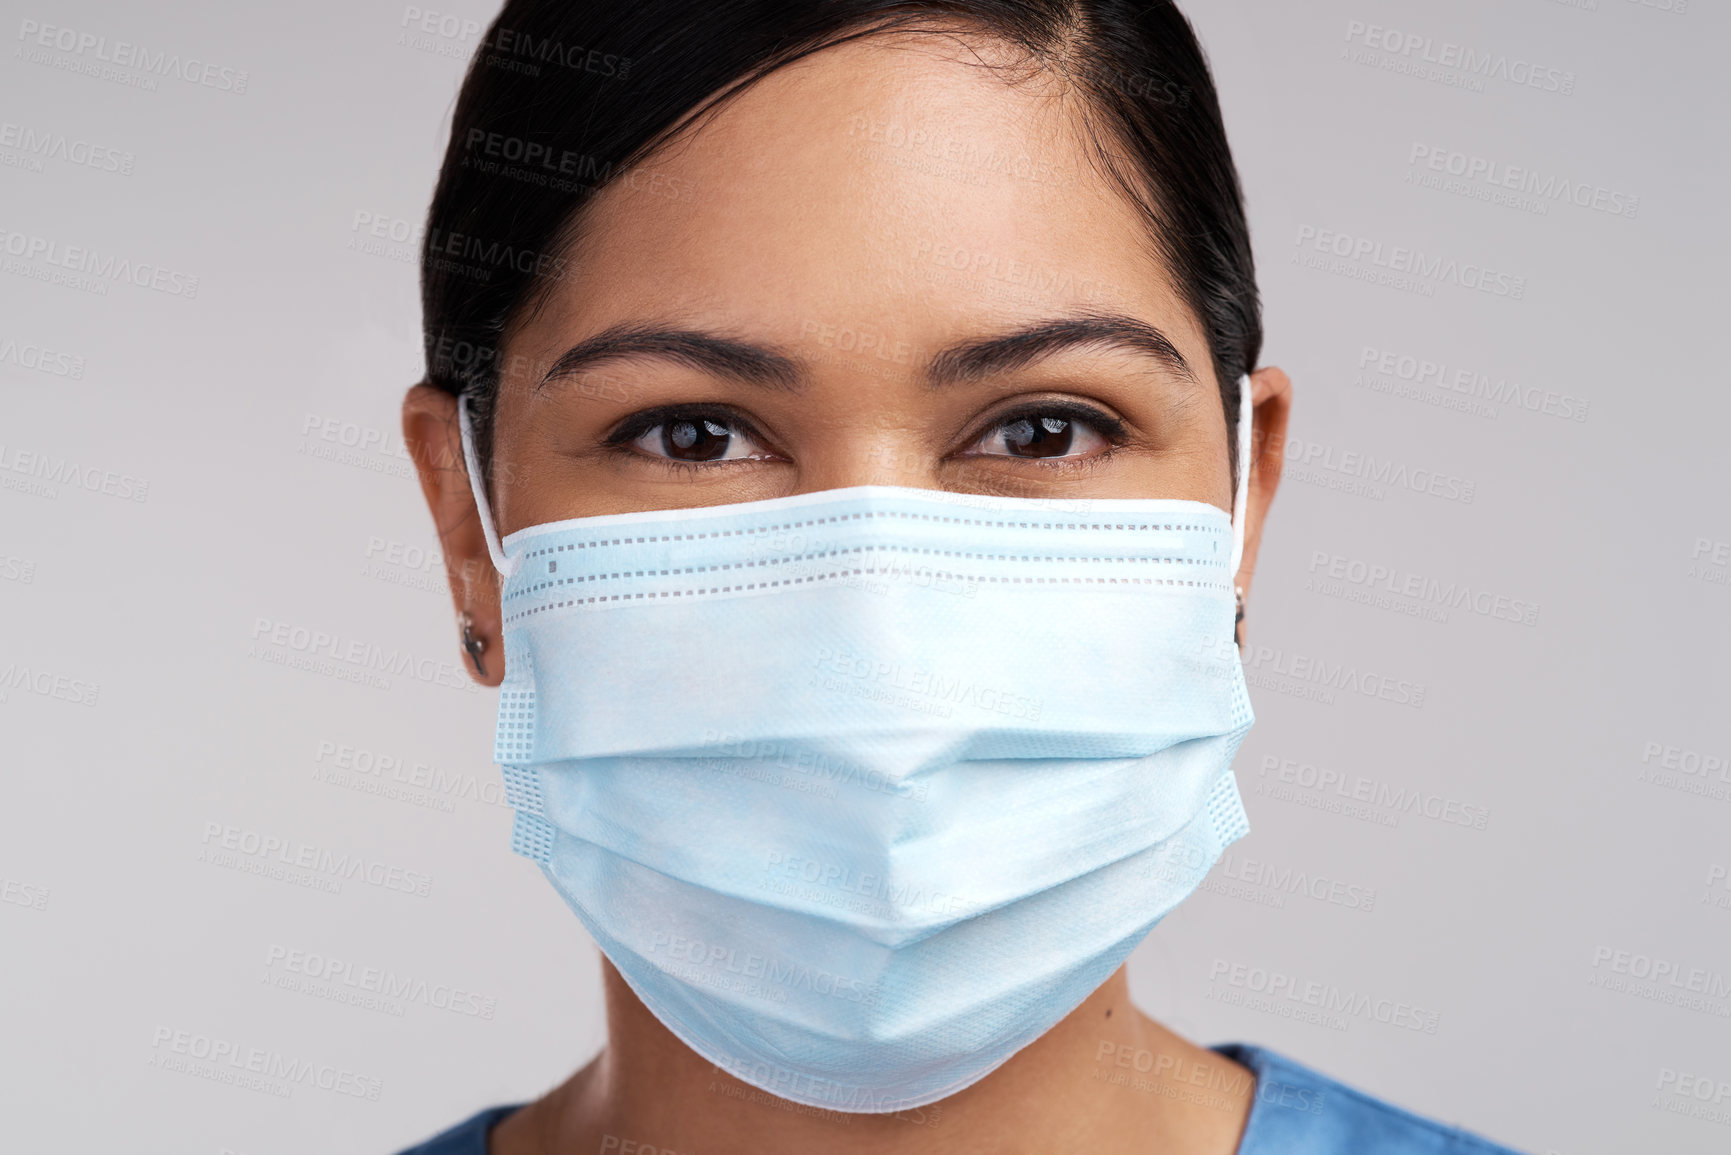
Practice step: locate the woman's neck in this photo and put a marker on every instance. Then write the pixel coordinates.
(1106, 1079)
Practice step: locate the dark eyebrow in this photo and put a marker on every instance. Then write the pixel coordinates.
(706, 352)
(968, 361)
(1021, 347)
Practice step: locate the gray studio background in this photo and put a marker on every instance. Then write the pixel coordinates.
(1506, 490)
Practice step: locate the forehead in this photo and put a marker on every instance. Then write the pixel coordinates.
(896, 182)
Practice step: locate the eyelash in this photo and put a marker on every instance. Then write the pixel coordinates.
(1113, 430)
(1110, 428)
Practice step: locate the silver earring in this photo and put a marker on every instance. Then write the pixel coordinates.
(474, 646)
(1238, 593)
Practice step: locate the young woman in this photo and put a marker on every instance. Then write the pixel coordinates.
(837, 425)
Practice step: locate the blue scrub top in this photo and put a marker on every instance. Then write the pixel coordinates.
(1297, 1111)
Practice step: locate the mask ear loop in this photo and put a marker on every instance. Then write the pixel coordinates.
(1241, 496)
(1241, 493)
(505, 565)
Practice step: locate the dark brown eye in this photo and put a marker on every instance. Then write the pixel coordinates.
(699, 440)
(1040, 435)
(695, 437)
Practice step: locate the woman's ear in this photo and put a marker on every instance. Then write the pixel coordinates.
(430, 432)
(1271, 404)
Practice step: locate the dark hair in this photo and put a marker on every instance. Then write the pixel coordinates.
(564, 97)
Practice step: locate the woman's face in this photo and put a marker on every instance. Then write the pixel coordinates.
(882, 265)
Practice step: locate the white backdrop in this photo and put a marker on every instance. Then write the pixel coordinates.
(1492, 249)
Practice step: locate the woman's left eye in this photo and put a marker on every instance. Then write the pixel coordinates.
(1041, 434)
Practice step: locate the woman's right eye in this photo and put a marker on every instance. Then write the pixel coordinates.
(697, 437)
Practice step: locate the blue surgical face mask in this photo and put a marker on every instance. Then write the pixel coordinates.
(863, 790)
